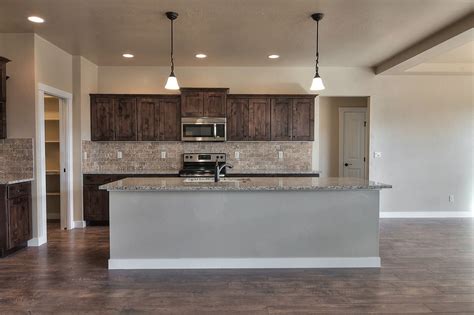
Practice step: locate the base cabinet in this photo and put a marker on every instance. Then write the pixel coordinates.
(15, 217)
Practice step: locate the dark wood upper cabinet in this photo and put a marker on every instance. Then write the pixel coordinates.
(147, 123)
(192, 103)
(281, 119)
(214, 104)
(237, 119)
(203, 102)
(102, 118)
(125, 114)
(303, 119)
(259, 119)
(169, 117)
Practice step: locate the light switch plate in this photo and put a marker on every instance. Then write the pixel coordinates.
(280, 155)
(237, 155)
(85, 155)
(163, 154)
(377, 155)
(119, 154)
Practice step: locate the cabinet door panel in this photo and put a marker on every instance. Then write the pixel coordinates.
(169, 117)
(237, 119)
(214, 104)
(3, 120)
(96, 203)
(259, 119)
(19, 229)
(3, 81)
(125, 119)
(281, 119)
(102, 118)
(303, 120)
(192, 104)
(147, 122)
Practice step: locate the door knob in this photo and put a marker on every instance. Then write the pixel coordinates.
(347, 164)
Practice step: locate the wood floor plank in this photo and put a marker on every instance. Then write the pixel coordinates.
(427, 267)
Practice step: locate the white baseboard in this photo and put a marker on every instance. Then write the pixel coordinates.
(79, 224)
(37, 241)
(427, 214)
(246, 263)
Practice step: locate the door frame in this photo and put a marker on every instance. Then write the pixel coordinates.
(342, 111)
(66, 163)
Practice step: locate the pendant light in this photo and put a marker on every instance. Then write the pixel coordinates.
(172, 82)
(317, 84)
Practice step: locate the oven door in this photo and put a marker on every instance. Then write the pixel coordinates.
(202, 129)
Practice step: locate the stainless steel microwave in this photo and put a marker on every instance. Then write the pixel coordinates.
(203, 129)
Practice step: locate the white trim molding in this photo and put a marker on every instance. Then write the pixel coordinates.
(37, 241)
(246, 263)
(427, 214)
(79, 224)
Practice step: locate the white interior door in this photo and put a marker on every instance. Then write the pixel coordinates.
(352, 142)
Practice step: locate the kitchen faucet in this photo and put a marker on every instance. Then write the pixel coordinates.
(218, 169)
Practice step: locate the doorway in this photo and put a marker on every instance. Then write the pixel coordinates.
(353, 142)
(53, 160)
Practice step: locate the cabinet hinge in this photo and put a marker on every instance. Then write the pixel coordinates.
(364, 159)
(365, 124)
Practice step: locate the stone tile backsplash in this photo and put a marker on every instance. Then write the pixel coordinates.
(16, 157)
(145, 157)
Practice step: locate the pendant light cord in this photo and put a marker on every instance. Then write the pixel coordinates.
(317, 48)
(172, 44)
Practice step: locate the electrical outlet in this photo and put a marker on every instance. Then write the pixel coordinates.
(280, 155)
(451, 198)
(119, 154)
(163, 154)
(377, 155)
(85, 155)
(237, 155)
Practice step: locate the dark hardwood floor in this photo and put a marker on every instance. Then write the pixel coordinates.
(428, 266)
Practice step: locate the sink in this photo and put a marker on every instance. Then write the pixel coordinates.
(211, 180)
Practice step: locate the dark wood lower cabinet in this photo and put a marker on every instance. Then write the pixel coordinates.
(15, 217)
(96, 201)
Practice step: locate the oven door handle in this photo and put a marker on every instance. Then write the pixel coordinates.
(215, 130)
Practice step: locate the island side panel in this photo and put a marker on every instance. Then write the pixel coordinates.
(253, 225)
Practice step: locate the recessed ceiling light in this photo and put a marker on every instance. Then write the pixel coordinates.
(201, 56)
(273, 56)
(128, 55)
(35, 19)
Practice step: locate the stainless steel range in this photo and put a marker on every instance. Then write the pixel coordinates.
(202, 164)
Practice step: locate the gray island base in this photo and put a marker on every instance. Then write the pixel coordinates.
(174, 223)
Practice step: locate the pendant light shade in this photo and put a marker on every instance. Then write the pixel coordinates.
(172, 82)
(317, 84)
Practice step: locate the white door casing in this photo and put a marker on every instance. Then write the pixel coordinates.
(352, 142)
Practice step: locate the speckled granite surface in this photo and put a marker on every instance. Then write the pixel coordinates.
(8, 179)
(244, 184)
(145, 172)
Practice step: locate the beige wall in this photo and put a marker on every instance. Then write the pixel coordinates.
(329, 131)
(421, 124)
(19, 48)
(85, 76)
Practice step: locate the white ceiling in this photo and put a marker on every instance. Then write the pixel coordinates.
(462, 54)
(233, 32)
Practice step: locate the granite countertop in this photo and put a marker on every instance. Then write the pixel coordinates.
(133, 172)
(243, 184)
(9, 179)
(263, 171)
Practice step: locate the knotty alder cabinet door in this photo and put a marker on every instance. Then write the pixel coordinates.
(3, 97)
(302, 120)
(259, 119)
(125, 114)
(237, 119)
(198, 102)
(158, 119)
(102, 118)
(281, 121)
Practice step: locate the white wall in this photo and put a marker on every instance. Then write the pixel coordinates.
(422, 124)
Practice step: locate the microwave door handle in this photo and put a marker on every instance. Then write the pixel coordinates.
(215, 130)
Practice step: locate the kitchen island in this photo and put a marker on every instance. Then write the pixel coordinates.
(272, 222)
